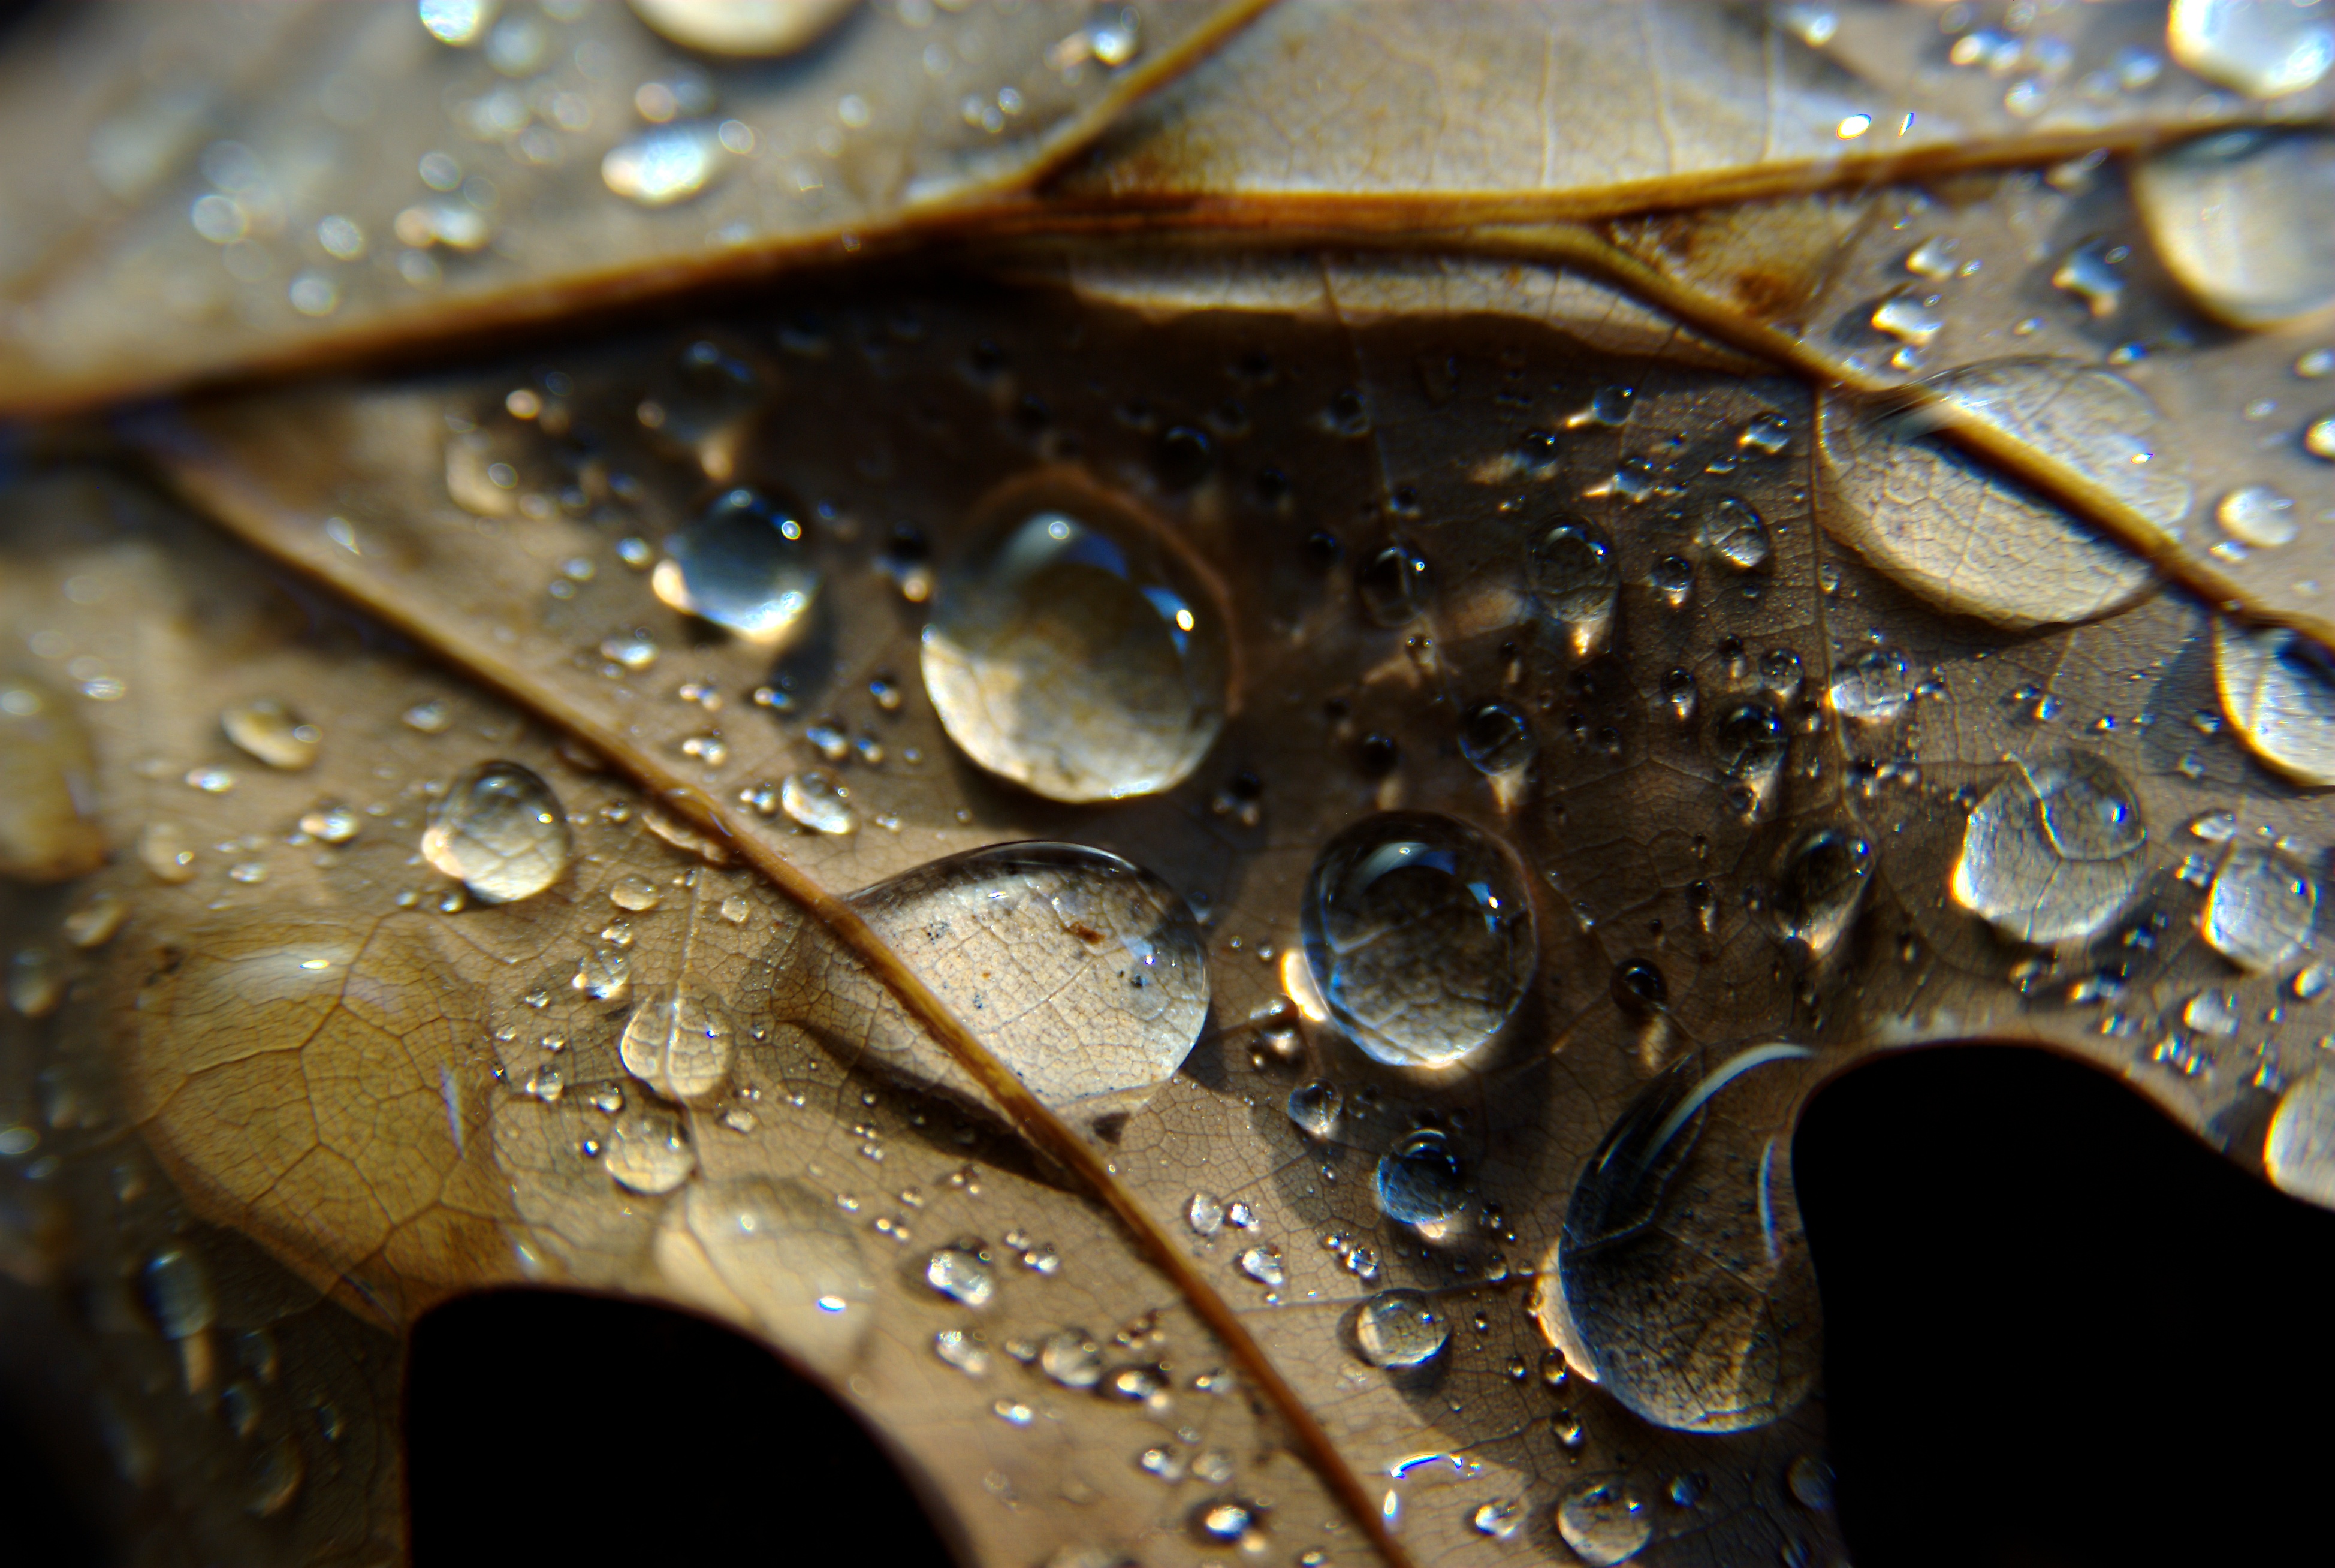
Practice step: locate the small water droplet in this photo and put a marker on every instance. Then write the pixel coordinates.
(168, 851)
(1496, 738)
(1809, 1479)
(1639, 988)
(1314, 1107)
(959, 1274)
(1399, 1329)
(1075, 652)
(1205, 1214)
(606, 975)
(330, 822)
(1912, 318)
(649, 1152)
(1767, 432)
(2089, 273)
(1421, 1184)
(1873, 688)
(665, 163)
(178, 1291)
(1604, 1521)
(2259, 911)
(501, 831)
(2051, 854)
(742, 566)
(95, 923)
(1262, 1265)
(36, 982)
(1394, 585)
(432, 717)
(1818, 887)
(818, 801)
(1934, 258)
(1576, 582)
(2258, 515)
(679, 1043)
(1418, 933)
(272, 733)
(1748, 742)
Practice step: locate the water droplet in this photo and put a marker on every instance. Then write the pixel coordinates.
(1685, 1276)
(1394, 585)
(1912, 318)
(1934, 258)
(501, 831)
(1500, 1520)
(168, 851)
(1496, 738)
(1420, 1184)
(1084, 973)
(818, 801)
(95, 923)
(430, 718)
(1604, 1521)
(1262, 1265)
(1072, 1359)
(2051, 854)
(635, 893)
(665, 163)
(46, 772)
(1398, 1328)
(271, 733)
(679, 1043)
(2240, 219)
(962, 1351)
(2258, 912)
(1205, 1214)
(36, 984)
(1873, 688)
(2257, 515)
(330, 822)
(2278, 690)
(1419, 937)
(1672, 576)
(606, 975)
(1977, 543)
(2089, 273)
(1809, 1479)
(2264, 49)
(1076, 653)
(1748, 742)
(649, 1152)
(791, 1256)
(2299, 1154)
(179, 1293)
(742, 566)
(1314, 1109)
(1766, 433)
(1575, 582)
(742, 27)
(1639, 988)
(1818, 887)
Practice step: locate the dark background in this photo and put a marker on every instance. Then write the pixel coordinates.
(2060, 1333)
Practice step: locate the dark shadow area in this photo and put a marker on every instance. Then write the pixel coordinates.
(544, 1427)
(44, 1523)
(2058, 1330)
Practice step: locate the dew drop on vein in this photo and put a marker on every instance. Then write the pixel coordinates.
(2278, 690)
(2052, 853)
(501, 831)
(744, 567)
(1419, 937)
(1680, 1276)
(1399, 1329)
(1074, 651)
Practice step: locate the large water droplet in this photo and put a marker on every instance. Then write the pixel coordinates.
(48, 786)
(1576, 582)
(790, 1255)
(2052, 853)
(1399, 1329)
(679, 1043)
(1084, 973)
(2259, 911)
(2298, 1154)
(1873, 688)
(740, 27)
(2264, 48)
(1604, 1521)
(1818, 887)
(501, 831)
(1685, 1276)
(1419, 937)
(1076, 652)
(1972, 541)
(1421, 1185)
(269, 731)
(743, 565)
(665, 163)
(2278, 691)
(2242, 220)
(649, 1152)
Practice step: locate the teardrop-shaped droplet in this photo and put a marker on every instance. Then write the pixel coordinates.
(1976, 543)
(1819, 889)
(1313, 1109)
(679, 1043)
(1604, 1521)
(1872, 688)
(755, 28)
(665, 163)
(1750, 745)
(744, 567)
(1576, 582)
(2264, 48)
(1083, 973)
(2260, 909)
(2052, 853)
(48, 785)
(1076, 652)
(1420, 1184)
(1683, 1273)
(1496, 738)
(1400, 1328)
(2278, 691)
(272, 733)
(1419, 937)
(501, 831)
